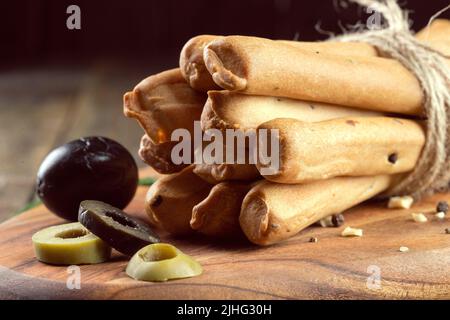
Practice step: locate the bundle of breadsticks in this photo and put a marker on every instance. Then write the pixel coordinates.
(349, 124)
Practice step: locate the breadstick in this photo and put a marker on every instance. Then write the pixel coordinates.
(162, 103)
(218, 214)
(231, 110)
(215, 173)
(437, 35)
(158, 156)
(170, 200)
(264, 67)
(272, 212)
(197, 76)
(194, 70)
(344, 147)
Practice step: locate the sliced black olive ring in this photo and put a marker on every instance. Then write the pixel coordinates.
(122, 232)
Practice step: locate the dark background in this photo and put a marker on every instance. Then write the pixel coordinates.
(57, 85)
(34, 31)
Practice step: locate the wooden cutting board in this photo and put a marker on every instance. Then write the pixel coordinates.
(333, 268)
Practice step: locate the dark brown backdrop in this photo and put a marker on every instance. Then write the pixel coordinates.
(35, 30)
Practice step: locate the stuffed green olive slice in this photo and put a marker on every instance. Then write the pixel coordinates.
(162, 262)
(69, 244)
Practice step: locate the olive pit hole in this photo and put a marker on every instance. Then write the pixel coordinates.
(159, 254)
(71, 234)
(121, 219)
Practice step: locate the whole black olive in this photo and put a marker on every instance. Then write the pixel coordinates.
(92, 168)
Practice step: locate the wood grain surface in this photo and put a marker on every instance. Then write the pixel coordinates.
(333, 268)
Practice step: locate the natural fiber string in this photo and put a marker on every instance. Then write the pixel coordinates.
(432, 171)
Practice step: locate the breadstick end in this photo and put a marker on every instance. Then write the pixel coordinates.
(198, 217)
(192, 65)
(254, 219)
(130, 103)
(209, 118)
(222, 76)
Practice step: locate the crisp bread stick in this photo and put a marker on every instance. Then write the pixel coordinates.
(344, 147)
(215, 173)
(232, 110)
(272, 212)
(170, 200)
(437, 36)
(264, 67)
(218, 214)
(194, 70)
(162, 103)
(158, 156)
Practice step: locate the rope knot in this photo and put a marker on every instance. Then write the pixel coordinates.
(432, 171)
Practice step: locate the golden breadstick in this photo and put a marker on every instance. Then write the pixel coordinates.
(215, 173)
(158, 156)
(264, 67)
(170, 200)
(344, 147)
(194, 70)
(232, 110)
(162, 103)
(437, 35)
(272, 212)
(218, 214)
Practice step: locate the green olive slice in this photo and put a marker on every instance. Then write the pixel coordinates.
(162, 262)
(69, 244)
(122, 232)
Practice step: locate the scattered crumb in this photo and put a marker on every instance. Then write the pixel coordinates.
(419, 217)
(440, 215)
(326, 222)
(403, 249)
(334, 220)
(337, 219)
(447, 230)
(442, 206)
(313, 239)
(400, 202)
(352, 232)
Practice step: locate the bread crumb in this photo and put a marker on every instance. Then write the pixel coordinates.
(419, 217)
(332, 221)
(313, 239)
(403, 249)
(352, 232)
(400, 202)
(442, 206)
(440, 215)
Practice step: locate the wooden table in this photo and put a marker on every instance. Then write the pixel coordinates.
(371, 267)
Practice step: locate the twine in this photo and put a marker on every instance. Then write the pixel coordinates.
(432, 171)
